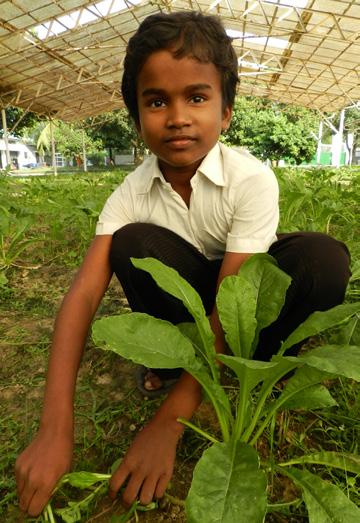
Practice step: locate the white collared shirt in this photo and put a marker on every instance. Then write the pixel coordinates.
(233, 205)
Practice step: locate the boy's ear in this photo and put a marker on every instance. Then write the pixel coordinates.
(227, 114)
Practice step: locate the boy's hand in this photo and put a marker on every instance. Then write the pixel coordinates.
(148, 465)
(39, 467)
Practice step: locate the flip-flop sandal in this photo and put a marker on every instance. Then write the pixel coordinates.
(167, 383)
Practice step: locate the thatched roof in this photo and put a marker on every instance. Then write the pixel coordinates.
(64, 57)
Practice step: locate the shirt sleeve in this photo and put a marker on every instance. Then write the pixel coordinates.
(117, 211)
(255, 214)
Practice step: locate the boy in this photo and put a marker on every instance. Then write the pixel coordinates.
(195, 205)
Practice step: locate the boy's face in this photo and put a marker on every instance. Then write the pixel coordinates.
(180, 110)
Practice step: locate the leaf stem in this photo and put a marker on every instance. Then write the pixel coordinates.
(274, 408)
(273, 507)
(49, 513)
(264, 393)
(202, 433)
(241, 409)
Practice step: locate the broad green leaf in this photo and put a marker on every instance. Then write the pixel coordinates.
(145, 340)
(315, 397)
(215, 393)
(157, 343)
(251, 301)
(255, 371)
(340, 460)
(334, 359)
(262, 271)
(191, 331)
(319, 322)
(170, 281)
(227, 486)
(348, 333)
(325, 502)
(236, 305)
(84, 479)
(303, 378)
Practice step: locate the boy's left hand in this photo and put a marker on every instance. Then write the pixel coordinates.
(148, 464)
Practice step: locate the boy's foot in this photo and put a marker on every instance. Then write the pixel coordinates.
(151, 385)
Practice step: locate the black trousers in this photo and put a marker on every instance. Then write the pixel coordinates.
(317, 264)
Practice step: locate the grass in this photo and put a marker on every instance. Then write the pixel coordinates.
(60, 215)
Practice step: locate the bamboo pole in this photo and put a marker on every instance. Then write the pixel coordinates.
(6, 137)
(53, 155)
(337, 142)
(318, 152)
(84, 151)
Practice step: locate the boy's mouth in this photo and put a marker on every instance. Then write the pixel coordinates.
(179, 140)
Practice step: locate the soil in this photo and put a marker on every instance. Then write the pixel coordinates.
(109, 409)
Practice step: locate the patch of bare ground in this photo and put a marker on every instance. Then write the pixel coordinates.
(109, 409)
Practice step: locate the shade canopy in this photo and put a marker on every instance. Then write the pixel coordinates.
(64, 58)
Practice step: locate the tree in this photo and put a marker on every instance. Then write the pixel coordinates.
(116, 132)
(352, 127)
(68, 138)
(13, 115)
(273, 131)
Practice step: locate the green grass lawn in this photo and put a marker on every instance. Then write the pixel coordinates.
(46, 224)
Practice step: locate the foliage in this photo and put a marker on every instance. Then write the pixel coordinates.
(61, 211)
(114, 129)
(13, 116)
(324, 200)
(351, 127)
(74, 510)
(117, 132)
(69, 139)
(273, 131)
(35, 209)
(228, 483)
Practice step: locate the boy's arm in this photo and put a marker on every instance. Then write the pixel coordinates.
(49, 456)
(148, 464)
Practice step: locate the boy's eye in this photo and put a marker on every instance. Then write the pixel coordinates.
(156, 103)
(197, 98)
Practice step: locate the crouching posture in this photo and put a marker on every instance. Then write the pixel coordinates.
(197, 206)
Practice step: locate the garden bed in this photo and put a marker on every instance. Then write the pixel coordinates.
(46, 225)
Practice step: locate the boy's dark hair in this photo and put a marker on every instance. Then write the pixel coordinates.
(200, 36)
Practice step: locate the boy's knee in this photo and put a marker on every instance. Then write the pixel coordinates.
(138, 240)
(126, 242)
(328, 260)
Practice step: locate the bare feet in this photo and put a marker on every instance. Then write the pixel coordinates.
(152, 381)
(151, 385)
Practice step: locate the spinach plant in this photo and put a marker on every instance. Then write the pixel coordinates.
(229, 484)
(96, 484)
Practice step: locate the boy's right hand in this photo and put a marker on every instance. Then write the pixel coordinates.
(39, 467)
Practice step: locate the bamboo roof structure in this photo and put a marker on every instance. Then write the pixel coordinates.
(64, 58)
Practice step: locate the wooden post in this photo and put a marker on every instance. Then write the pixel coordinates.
(84, 151)
(6, 137)
(53, 155)
(318, 152)
(337, 142)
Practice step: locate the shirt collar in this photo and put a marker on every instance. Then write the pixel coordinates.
(211, 167)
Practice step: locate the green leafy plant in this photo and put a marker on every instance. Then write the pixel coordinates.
(229, 484)
(13, 239)
(97, 485)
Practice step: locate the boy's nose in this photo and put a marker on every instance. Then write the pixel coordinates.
(178, 116)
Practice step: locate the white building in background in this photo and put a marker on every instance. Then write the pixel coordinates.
(21, 154)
